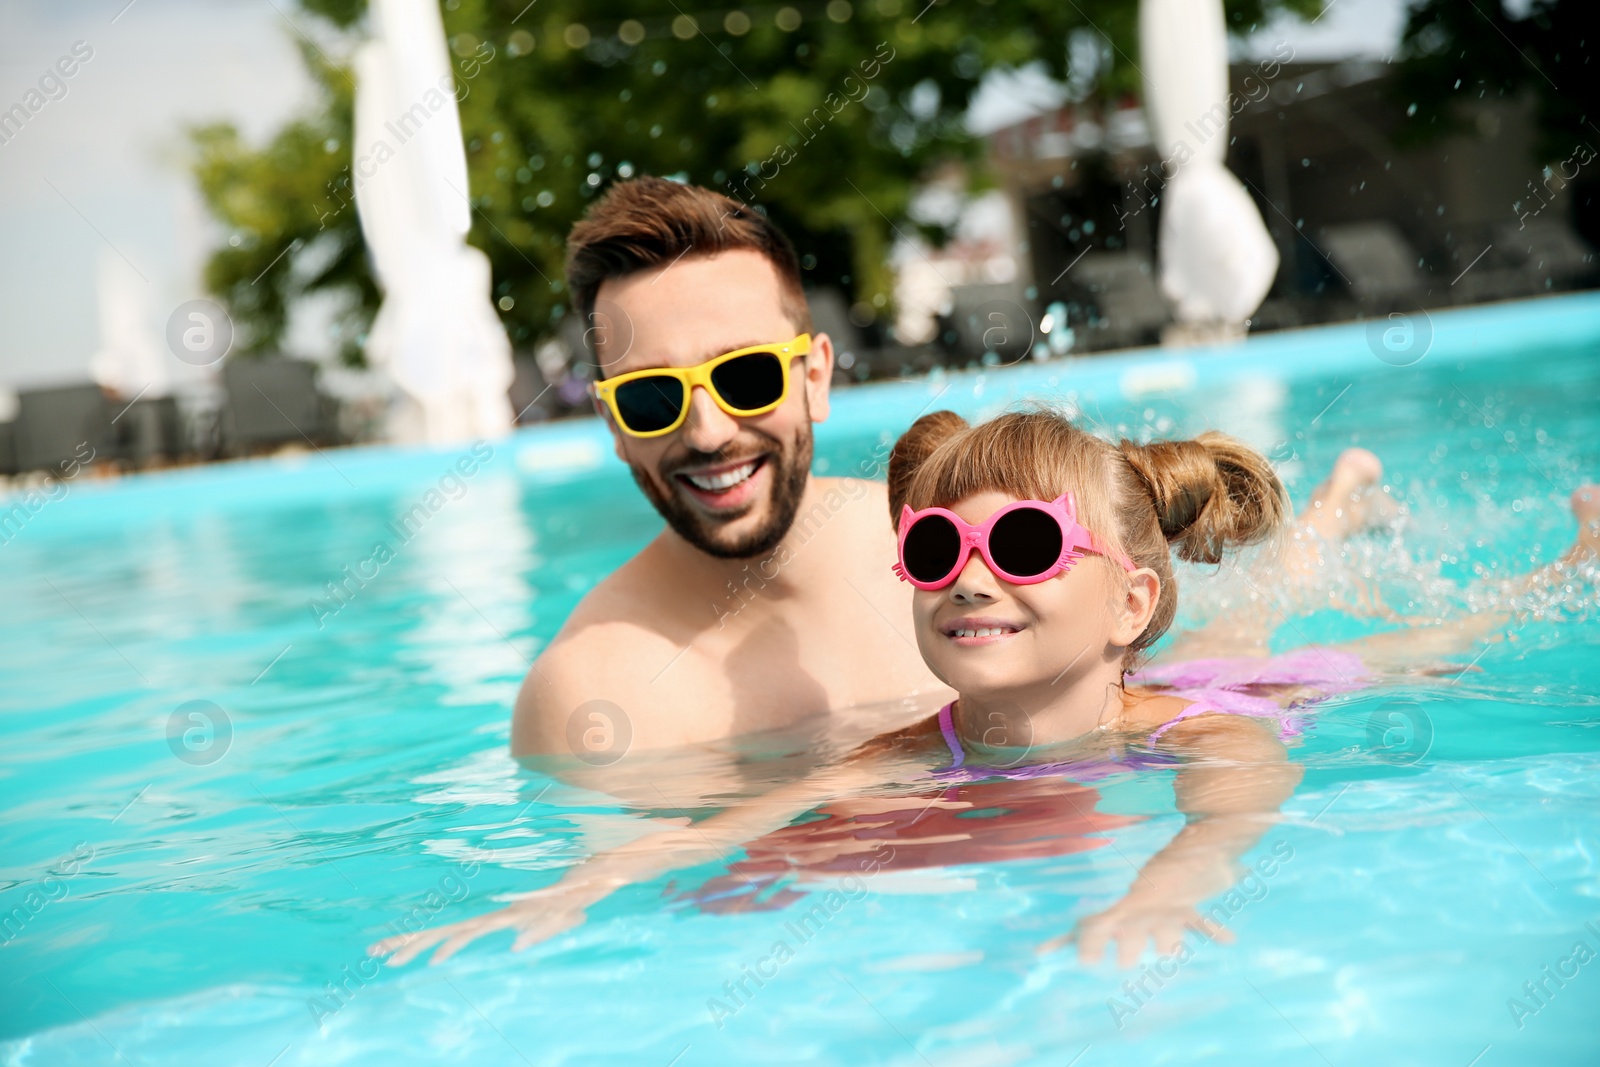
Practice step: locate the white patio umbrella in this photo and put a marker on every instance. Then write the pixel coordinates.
(1217, 258)
(130, 360)
(437, 333)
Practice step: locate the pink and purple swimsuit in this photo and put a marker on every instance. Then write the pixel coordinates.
(1224, 686)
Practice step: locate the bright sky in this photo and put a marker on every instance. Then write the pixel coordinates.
(1349, 28)
(99, 173)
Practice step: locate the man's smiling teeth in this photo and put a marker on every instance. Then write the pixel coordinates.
(983, 631)
(716, 483)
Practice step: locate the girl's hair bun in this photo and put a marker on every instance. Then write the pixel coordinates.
(915, 446)
(1210, 494)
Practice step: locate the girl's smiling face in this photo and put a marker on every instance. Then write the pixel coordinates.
(984, 636)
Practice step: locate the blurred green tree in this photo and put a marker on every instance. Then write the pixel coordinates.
(1452, 51)
(824, 113)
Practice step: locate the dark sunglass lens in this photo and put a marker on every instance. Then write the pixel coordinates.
(650, 404)
(1025, 542)
(750, 382)
(931, 549)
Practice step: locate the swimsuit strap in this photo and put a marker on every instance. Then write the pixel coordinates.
(1229, 702)
(948, 728)
(1084, 770)
(1201, 706)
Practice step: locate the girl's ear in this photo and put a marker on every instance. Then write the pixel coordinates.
(1137, 607)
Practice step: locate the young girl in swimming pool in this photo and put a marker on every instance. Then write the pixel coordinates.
(1041, 561)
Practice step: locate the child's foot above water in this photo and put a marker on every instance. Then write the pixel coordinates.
(1347, 501)
(1586, 508)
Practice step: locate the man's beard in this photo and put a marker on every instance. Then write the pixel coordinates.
(791, 467)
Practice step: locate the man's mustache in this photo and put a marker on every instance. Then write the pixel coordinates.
(736, 451)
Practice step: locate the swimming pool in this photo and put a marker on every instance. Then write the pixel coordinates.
(222, 782)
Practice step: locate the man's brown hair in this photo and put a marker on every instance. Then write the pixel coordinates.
(650, 222)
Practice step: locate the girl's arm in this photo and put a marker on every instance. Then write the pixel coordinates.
(1425, 649)
(540, 915)
(1239, 777)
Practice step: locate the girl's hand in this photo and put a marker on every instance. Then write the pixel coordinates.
(537, 917)
(1130, 923)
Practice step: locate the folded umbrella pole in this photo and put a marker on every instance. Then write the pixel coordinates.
(1217, 258)
(437, 334)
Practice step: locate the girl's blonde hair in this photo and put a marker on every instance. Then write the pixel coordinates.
(1198, 497)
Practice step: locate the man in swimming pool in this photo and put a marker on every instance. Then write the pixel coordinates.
(768, 598)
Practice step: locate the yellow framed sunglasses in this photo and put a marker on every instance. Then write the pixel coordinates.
(749, 381)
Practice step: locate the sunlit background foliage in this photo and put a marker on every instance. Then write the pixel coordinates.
(563, 98)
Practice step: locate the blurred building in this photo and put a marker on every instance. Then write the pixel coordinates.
(1362, 225)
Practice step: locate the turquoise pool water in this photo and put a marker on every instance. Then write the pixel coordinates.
(178, 893)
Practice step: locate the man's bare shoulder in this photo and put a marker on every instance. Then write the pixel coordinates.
(618, 637)
(845, 509)
(856, 490)
(855, 487)
(622, 598)
(607, 663)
